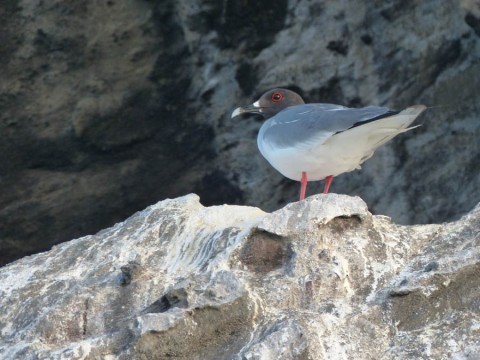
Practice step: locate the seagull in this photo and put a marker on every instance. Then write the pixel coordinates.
(312, 142)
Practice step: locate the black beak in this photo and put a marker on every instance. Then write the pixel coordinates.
(251, 109)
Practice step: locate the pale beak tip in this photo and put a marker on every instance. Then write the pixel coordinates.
(236, 112)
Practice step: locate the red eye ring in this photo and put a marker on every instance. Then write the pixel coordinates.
(277, 96)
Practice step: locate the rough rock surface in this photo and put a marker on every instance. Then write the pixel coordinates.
(106, 107)
(318, 279)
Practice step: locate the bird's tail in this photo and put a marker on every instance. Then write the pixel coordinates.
(386, 129)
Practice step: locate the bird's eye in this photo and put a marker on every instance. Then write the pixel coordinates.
(276, 96)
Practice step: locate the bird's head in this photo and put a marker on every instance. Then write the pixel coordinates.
(271, 103)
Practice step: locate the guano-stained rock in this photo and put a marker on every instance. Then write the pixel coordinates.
(318, 279)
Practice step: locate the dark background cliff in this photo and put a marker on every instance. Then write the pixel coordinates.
(107, 107)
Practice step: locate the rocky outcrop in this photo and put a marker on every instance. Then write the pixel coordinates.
(317, 279)
(108, 107)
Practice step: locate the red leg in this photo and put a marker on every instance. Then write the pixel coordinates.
(328, 181)
(303, 185)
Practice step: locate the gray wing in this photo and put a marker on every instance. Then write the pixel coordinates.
(315, 123)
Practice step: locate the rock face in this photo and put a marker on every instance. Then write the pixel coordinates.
(318, 279)
(108, 107)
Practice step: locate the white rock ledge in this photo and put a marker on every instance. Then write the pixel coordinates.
(318, 279)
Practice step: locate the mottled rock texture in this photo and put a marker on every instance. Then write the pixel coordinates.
(107, 107)
(317, 279)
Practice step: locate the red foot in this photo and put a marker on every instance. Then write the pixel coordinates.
(303, 185)
(328, 181)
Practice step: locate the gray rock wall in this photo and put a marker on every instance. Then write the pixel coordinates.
(317, 279)
(108, 107)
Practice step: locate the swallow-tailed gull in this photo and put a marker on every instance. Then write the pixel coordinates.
(311, 142)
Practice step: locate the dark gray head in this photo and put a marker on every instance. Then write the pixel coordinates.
(271, 103)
